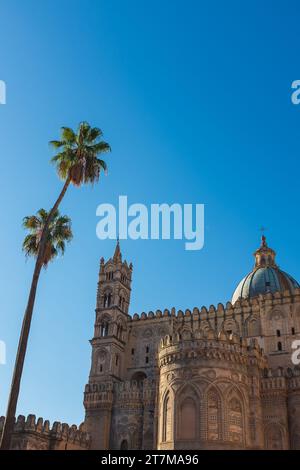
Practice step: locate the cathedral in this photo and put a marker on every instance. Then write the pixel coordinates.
(216, 378)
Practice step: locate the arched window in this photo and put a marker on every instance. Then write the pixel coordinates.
(107, 299)
(278, 322)
(187, 419)
(104, 328)
(279, 346)
(120, 331)
(101, 363)
(213, 416)
(124, 445)
(122, 303)
(139, 376)
(253, 325)
(167, 420)
(235, 420)
(109, 275)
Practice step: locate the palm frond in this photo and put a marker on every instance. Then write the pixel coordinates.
(68, 135)
(94, 134)
(57, 143)
(100, 147)
(31, 222)
(78, 153)
(59, 231)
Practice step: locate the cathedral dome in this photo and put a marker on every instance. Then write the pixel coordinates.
(265, 277)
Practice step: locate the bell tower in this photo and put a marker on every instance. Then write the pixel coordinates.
(114, 284)
(108, 345)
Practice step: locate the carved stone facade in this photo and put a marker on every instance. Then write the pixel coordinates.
(217, 378)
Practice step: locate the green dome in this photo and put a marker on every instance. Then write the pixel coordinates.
(265, 277)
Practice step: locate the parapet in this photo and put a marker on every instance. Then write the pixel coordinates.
(221, 347)
(124, 393)
(280, 378)
(59, 431)
(242, 305)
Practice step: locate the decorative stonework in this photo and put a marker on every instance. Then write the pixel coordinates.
(204, 378)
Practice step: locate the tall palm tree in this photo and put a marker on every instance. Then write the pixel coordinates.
(77, 163)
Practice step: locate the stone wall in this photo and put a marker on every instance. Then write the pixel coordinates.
(36, 434)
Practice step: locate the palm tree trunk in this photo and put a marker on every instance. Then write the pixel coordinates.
(19, 362)
(57, 203)
(15, 385)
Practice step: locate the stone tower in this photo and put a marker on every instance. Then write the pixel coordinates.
(108, 345)
(221, 377)
(211, 378)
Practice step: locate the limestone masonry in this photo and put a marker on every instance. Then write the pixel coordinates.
(217, 378)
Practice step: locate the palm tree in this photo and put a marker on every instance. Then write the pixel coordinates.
(59, 232)
(77, 163)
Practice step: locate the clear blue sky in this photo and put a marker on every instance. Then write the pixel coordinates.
(194, 98)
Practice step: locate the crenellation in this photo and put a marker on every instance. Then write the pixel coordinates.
(210, 377)
(31, 428)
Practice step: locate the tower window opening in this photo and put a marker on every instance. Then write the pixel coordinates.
(132, 351)
(119, 332)
(278, 333)
(293, 330)
(122, 303)
(101, 368)
(104, 329)
(147, 360)
(147, 349)
(279, 346)
(117, 360)
(107, 300)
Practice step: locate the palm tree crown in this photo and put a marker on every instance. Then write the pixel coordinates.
(78, 156)
(58, 232)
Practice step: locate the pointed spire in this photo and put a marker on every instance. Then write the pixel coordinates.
(117, 255)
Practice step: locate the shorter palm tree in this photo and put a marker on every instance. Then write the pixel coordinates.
(55, 232)
(58, 233)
